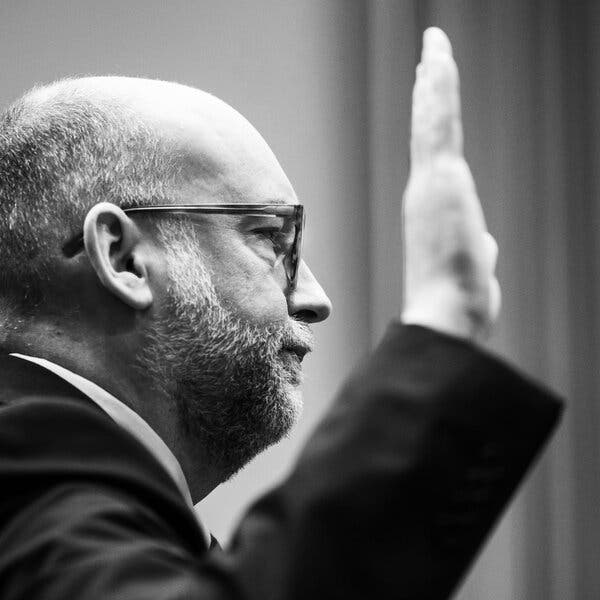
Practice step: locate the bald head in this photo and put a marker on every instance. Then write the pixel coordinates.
(66, 146)
(214, 143)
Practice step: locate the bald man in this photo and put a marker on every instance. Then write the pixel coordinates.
(155, 312)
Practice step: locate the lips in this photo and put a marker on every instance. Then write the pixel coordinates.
(297, 342)
(299, 351)
(291, 363)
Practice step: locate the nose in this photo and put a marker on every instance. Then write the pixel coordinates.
(308, 302)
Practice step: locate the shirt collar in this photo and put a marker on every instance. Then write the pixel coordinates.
(130, 421)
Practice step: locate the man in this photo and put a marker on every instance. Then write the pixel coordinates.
(155, 316)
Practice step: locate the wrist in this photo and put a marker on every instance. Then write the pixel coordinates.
(450, 310)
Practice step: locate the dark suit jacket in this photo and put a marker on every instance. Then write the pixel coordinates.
(392, 497)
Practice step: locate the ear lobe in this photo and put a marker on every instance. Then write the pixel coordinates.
(111, 242)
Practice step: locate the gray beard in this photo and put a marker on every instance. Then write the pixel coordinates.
(234, 388)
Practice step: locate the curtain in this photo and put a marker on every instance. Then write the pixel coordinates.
(530, 82)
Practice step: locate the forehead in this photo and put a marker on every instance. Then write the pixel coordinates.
(222, 157)
(238, 168)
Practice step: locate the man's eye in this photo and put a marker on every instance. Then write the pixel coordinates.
(279, 240)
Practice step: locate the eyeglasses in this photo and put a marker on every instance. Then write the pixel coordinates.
(287, 240)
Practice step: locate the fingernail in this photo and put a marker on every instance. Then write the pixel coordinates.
(435, 41)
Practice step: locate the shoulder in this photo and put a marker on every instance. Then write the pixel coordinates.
(65, 449)
(81, 538)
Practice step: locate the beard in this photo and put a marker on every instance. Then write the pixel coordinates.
(233, 383)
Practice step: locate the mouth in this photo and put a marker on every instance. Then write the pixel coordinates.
(291, 362)
(299, 351)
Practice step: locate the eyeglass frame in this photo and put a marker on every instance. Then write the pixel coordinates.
(75, 244)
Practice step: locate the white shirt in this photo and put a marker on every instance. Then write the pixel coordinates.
(130, 421)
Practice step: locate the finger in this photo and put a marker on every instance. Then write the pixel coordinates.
(436, 118)
(495, 294)
(491, 250)
(435, 41)
(495, 301)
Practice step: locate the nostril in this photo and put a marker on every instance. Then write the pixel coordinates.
(306, 316)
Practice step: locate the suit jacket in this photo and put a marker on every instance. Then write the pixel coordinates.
(392, 497)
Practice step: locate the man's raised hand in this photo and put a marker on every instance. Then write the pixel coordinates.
(450, 258)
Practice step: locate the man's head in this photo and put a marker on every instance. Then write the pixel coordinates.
(191, 320)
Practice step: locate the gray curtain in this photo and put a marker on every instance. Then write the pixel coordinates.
(530, 79)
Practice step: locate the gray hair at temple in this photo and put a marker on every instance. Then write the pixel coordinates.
(62, 150)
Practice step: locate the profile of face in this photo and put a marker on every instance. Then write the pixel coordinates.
(228, 325)
(234, 381)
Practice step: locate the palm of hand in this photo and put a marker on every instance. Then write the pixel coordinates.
(449, 255)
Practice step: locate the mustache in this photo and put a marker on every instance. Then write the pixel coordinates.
(298, 336)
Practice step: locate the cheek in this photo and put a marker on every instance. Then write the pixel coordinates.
(257, 299)
(247, 287)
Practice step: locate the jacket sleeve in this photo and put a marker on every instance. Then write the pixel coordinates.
(397, 489)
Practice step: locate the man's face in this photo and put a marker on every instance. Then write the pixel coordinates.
(229, 335)
(234, 376)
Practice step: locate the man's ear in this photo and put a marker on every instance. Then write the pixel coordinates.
(112, 243)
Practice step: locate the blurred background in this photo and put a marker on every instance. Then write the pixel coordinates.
(328, 84)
